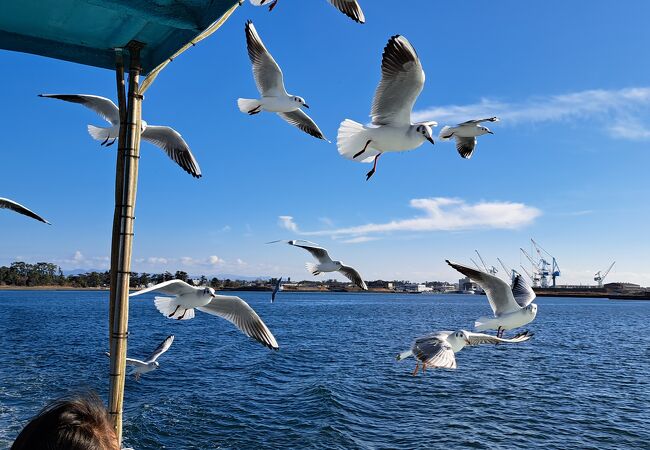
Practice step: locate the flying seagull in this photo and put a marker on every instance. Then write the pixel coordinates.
(140, 367)
(325, 263)
(20, 209)
(439, 349)
(168, 139)
(185, 298)
(270, 82)
(276, 288)
(465, 134)
(350, 8)
(508, 312)
(402, 80)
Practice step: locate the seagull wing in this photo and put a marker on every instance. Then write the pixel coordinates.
(350, 8)
(174, 145)
(434, 351)
(477, 121)
(101, 105)
(276, 288)
(482, 338)
(267, 73)
(498, 292)
(317, 252)
(20, 209)
(353, 276)
(402, 79)
(162, 348)
(465, 146)
(135, 362)
(171, 287)
(522, 292)
(236, 311)
(299, 119)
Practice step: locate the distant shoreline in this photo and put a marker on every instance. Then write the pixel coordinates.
(51, 288)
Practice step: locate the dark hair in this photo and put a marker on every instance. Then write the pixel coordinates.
(79, 422)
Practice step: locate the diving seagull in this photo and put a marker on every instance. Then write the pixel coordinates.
(151, 363)
(439, 349)
(276, 288)
(269, 79)
(183, 299)
(325, 263)
(168, 139)
(509, 312)
(20, 209)
(350, 8)
(402, 80)
(465, 135)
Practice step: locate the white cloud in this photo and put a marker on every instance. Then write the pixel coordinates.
(78, 257)
(288, 223)
(444, 214)
(214, 260)
(157, 260)
(621, 107)
(359, 239)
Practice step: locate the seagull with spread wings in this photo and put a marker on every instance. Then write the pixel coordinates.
(182, 299)
(139, 367)
(168, 139)
(465, 135)
(512, 305)
(402, 80)
(439, 349)
(6, 203)
(270, 82)
(350, 8)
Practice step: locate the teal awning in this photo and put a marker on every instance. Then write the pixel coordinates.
(88, 31)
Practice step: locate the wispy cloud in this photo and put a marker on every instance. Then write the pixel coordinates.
(441, 214)
(618, 110)
(287, 223)
(360, 239)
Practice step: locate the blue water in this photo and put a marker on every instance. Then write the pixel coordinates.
(582, 382)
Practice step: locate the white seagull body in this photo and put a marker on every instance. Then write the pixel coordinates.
(509, 312)
(326, 264)
(139, 367)
(270, 83)
(439, 349)
(465, 135)
(350, 8)
(402, 80)
(6, 203)
(166, 138)
(185, 299)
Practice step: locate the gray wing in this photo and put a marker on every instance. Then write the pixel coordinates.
(101, 105)
(267, 73)
(402, 79)
(20, 209)
(465, 146)
(498, 292)
(162, 348)
(236, 311)
(353, 276)
(171, 287)
(350, 8)
(477, 121)
(317, 252)
(522, 292)
(434, 351)
(135, 362)
(276, 288)
(174, 145)
(482, 338)
(299, 119)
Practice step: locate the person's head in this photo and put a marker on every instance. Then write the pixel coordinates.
(80, 422)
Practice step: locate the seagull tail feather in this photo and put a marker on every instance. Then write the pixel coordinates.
(352, 139)
(445, 133)
(481, 324)
(312, 268)
(247, 104)
(98, 133)
(404, 355)
(166, 305)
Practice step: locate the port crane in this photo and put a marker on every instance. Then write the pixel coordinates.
(546, 268)
(535, 275)
(599, 278)
(491, 270)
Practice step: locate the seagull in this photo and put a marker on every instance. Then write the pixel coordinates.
(325, 263)
(140, 367)
(465, 134)
(276, 288)
(439, 349)
(402, 80)
(20, 209)
(350, 8)
(269, 79)
(166, 138)
(509, 312)
(185, 298)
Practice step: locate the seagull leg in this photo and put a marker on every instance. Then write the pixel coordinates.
(255, 110)
(112, 142)
(374, 167)
(182, 315)
(105, 140)
(172, 314)
(417, 366)
(424, 368)
(364, 149)
(137, 376)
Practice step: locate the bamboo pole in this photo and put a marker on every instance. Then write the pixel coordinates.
(131, 156)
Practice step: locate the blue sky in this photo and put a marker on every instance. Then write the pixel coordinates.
(567, 164)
